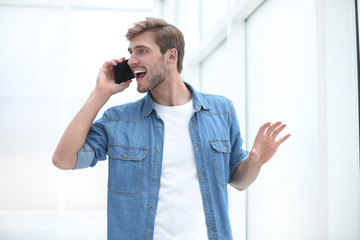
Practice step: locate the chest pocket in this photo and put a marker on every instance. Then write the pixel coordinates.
(126, 169)
(221, 150)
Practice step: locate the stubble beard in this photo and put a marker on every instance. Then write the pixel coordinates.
(155, 77)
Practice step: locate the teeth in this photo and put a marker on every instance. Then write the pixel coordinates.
(139, 71)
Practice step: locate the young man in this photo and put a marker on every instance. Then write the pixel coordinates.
(172, 153)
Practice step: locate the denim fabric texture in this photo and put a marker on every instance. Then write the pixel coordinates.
(132, 136)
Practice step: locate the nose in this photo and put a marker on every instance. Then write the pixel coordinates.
(132, 60)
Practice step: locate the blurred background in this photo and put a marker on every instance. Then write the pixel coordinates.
(288, 60)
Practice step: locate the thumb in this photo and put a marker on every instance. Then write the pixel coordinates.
(121, 87)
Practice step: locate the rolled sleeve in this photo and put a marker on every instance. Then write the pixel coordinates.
(95, 147)
(85, 157)
(240, 157)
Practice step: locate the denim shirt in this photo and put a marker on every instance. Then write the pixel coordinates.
(132, 136)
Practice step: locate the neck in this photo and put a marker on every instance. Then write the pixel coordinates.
(172, 92)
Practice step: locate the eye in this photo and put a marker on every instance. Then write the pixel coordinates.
(143, 50)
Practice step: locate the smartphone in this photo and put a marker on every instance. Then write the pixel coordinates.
(122, 72)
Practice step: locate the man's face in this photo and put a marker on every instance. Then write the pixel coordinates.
(147, 62)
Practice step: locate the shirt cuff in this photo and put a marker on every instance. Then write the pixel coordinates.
(243, 157)
(85, 157)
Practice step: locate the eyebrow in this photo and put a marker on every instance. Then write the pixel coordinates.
(138, 46)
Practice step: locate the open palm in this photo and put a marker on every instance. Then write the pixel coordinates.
(265, 144)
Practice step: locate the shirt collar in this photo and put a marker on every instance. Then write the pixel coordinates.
(198, 101)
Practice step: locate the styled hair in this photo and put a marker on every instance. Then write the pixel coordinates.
(166, 35)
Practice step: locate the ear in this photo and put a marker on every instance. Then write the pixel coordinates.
(172, 56)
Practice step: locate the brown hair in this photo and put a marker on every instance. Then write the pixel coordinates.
(167, 36)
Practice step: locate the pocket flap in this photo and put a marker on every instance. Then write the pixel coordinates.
(127, 153)
(222, 145)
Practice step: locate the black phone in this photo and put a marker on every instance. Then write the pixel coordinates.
(122, 72)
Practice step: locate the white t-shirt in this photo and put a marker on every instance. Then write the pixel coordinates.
(180, 213)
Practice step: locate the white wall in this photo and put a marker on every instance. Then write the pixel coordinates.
(342, 129)
(285, 202)
(302, 70)
(51, 52)
(296, 63)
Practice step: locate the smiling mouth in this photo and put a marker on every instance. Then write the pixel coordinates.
(139, 74)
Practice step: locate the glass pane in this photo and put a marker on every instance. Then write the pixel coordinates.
(213, 11)
(282, 86)
(28, 138)
(32, 51)
(124, 4)
(212, 71)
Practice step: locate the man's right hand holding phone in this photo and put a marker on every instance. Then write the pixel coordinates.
(105, 84)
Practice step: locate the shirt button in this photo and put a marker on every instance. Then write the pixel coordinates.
(147, 235)
(159, 125)
(225, 148)
(154, 179)
(151, 207)
(157, 151)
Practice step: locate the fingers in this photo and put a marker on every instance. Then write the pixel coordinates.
(283, 139)
(124, 85)
(113, 62)
(116, 88)
(278, 130)
(272, 127)
(118, 60)
(273, 130)
(262, 130)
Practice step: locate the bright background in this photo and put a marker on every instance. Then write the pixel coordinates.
(288, 60)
